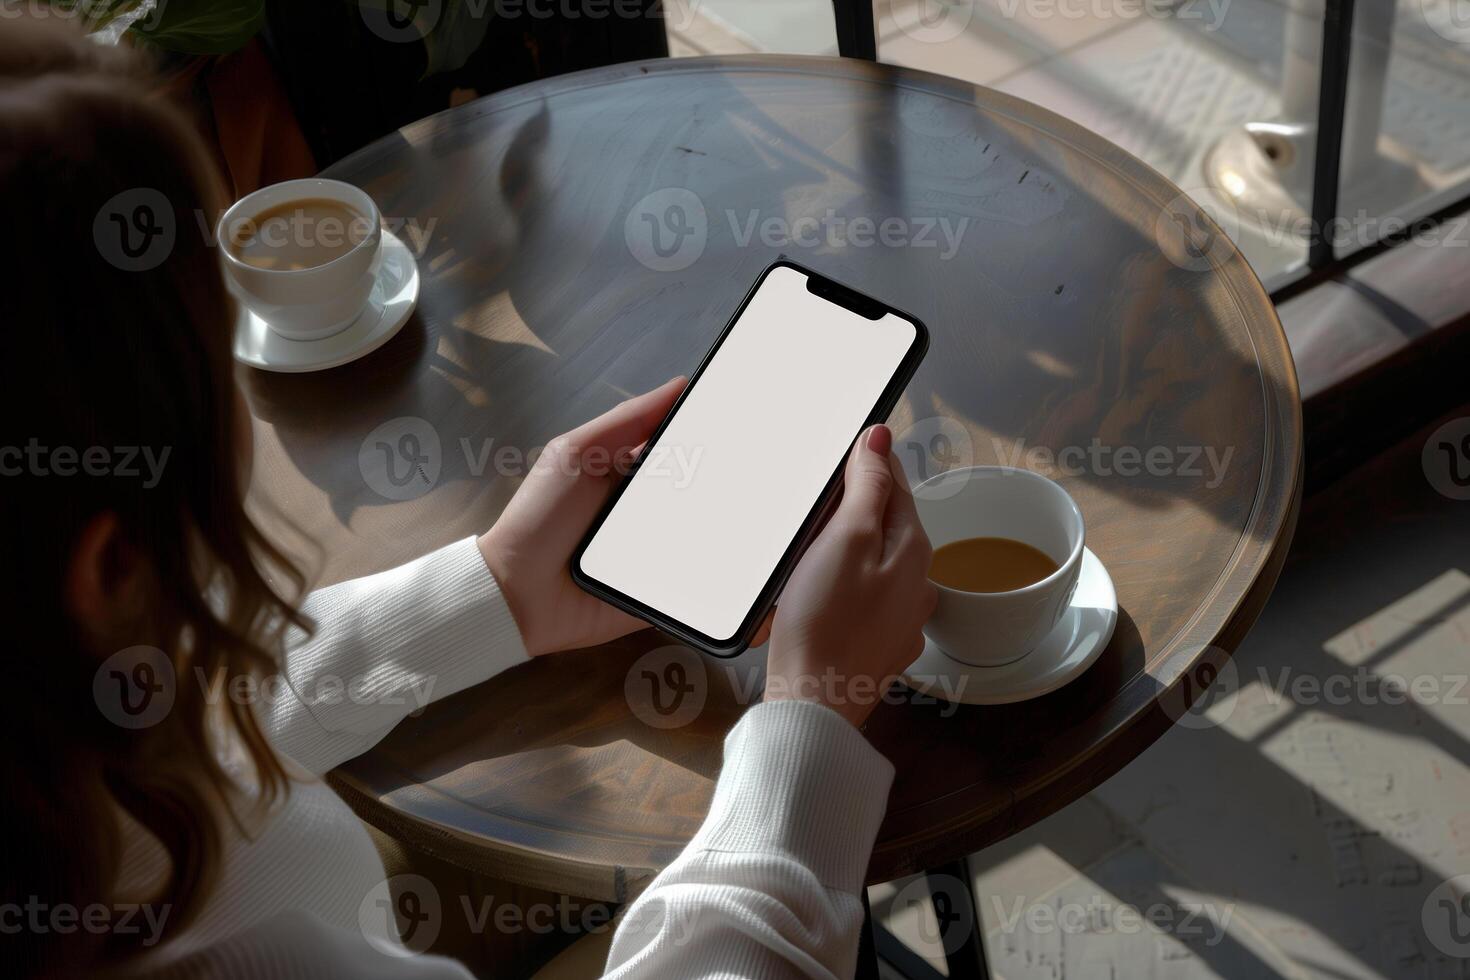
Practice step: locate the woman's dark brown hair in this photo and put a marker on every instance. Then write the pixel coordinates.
(117, 337)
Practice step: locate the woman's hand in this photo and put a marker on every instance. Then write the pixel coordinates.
(529, 550)
(849, 618)
(875, 601)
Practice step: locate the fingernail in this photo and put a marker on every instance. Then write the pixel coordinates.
(880, 439)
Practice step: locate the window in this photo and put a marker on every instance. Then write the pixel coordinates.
(1232, 100)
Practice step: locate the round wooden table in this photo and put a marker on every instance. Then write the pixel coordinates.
(586, 237)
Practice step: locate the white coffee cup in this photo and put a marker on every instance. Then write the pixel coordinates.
(988, 629)
(305, 304)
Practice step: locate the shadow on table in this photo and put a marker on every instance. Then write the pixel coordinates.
(536, 314)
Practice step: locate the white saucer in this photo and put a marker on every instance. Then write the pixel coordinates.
(394, 294)
(1068, 650)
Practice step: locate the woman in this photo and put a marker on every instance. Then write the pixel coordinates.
(197, 839)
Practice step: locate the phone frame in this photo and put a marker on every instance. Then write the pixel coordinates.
(834, 292)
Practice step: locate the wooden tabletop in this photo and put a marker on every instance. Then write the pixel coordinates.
(1070, 311)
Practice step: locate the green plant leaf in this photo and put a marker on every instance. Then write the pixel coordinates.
(450, 30)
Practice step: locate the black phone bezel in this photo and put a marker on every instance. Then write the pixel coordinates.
(833, 291)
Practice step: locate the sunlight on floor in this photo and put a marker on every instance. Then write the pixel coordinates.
(1302, 828)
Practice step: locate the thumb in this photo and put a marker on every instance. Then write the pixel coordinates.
(867, 481)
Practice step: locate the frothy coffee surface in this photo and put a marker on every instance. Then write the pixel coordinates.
(301, 234)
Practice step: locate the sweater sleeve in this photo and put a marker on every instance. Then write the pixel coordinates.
(770, 885)
(384, 647)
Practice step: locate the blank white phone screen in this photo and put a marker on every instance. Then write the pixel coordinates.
(705, 520)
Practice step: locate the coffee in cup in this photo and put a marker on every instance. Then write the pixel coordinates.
(297, 235)
(989, 565)
(1007, 555)
(303, 255)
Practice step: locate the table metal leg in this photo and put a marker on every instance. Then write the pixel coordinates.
(960, 931)
(856, 37)
(867, 961)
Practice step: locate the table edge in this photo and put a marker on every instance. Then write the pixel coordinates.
(1249, 577)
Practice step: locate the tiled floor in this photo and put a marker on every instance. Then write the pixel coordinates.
(1164, 80)
(1299, 825)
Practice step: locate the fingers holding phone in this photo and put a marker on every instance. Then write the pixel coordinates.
(530, 546)
(850, 617)
(702, 536)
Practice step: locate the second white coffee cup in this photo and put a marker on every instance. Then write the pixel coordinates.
(988, 629)
(305, 304)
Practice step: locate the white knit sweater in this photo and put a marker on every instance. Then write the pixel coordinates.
(768, 886)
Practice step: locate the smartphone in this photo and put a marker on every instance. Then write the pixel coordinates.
(700, 536)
